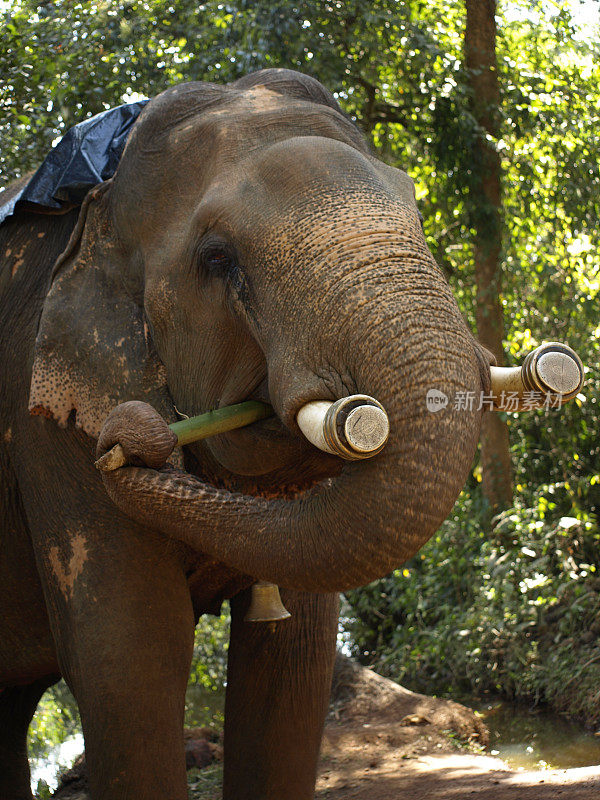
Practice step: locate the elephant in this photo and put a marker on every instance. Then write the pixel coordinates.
(248, 246)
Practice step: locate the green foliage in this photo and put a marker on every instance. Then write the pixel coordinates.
(209, 665)
(205, 697)
(517, 612)
(55, 720)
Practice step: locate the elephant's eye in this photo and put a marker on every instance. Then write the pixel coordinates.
(217, 256)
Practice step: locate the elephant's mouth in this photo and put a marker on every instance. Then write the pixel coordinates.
(291, 480)
(305, 520)
(264, 459)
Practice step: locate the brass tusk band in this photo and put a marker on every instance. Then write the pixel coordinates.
(551, 371)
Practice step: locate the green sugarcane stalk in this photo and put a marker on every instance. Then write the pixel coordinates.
(220, 420)
(194, 429)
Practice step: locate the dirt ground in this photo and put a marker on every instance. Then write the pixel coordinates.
(383, 742)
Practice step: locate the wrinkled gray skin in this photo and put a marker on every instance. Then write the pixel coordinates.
(249, 246)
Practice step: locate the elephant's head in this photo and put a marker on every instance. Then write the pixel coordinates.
(249, 246)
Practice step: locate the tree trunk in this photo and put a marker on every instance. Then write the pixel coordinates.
(480, 57)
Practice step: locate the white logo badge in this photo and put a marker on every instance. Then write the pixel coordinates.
(435, 400)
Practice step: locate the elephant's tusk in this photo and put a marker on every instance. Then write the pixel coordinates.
(353, 427)
(553, 372)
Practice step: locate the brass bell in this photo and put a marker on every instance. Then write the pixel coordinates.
(265, 604)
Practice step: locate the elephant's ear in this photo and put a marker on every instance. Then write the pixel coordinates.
(93, 349)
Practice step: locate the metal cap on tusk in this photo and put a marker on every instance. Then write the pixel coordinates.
(352, 427)
(366, 429)
(265, 604)
(552, 369)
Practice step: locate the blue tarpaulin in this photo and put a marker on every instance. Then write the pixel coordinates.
(87, 155)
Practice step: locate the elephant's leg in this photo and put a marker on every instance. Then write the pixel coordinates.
(278, 684)
(123, 624)
(17, 707)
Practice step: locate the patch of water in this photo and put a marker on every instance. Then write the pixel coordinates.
(535, 738)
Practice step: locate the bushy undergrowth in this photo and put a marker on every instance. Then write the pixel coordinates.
(512, 608)
(211, 643)
(205, 696)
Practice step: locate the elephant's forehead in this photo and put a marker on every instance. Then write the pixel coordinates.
(256, 117)
(253, 100)
(313, 176)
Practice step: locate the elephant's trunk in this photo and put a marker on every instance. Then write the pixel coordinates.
(376, 513)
